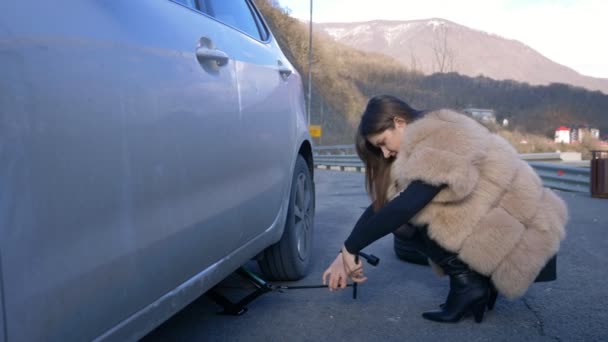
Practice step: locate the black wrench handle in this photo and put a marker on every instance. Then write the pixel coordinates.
(355, 283)
(370, 258)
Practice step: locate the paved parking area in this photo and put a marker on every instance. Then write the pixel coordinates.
(573, 308)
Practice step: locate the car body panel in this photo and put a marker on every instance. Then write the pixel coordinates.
(125, 199)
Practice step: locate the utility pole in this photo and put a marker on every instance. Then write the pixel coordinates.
(321, 121)
(309, 63)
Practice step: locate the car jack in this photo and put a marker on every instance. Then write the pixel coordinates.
(261, 286)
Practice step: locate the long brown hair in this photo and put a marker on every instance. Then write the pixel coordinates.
(379, 116)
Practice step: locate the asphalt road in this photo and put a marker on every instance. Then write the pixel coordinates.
(390, 303)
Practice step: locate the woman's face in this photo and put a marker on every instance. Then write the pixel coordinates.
(389, 140)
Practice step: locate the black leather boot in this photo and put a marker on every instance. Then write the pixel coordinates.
(491, 299)
(469, 292)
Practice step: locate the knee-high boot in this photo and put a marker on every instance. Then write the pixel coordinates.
(469, 290)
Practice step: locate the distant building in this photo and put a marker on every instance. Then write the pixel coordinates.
(579, 133)
(576, 134)
(562, 135)
(482, 114)
(595, 133)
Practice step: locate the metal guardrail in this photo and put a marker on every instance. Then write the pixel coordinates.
(563, 177)
(555, 176)
(335, 147)
(546, 157)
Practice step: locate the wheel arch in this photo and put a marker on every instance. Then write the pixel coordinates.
(306, 152)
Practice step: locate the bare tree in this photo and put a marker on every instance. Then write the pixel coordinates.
(413, 61)
(442, 53)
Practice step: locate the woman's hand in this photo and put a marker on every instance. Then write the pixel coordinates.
(352, 268)
(344, 266)
(335, 276)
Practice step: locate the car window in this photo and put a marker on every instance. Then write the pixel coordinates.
(187, 3)
(237, 14)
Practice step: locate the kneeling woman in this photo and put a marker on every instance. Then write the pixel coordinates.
(480, 213)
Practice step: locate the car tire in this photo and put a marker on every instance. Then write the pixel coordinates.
(290, 258)
(406, 251)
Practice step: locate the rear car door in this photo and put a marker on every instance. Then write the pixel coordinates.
(267, 85)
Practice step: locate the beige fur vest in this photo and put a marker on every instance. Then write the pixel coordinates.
(494, 211)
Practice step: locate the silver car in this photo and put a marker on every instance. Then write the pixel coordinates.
(148, 148)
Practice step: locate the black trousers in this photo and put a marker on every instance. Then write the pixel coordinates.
(429, 248)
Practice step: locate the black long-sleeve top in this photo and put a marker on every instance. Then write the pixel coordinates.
(372, 226)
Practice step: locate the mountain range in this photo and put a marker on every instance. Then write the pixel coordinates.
(438, 45)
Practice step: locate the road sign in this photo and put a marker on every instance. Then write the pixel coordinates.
(315, 131)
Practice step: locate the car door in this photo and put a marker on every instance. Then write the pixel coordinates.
(117, 145)
(267, 83)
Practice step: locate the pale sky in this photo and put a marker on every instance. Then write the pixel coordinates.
(570, 32)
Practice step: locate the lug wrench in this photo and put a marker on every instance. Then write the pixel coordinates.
(370, 258)
(239, 308)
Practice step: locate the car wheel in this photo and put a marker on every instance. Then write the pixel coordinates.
(289, 259)
(406, 251)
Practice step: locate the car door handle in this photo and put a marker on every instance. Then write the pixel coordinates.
(284, 71)
(204, 53)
